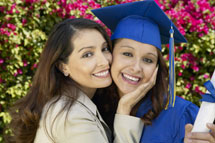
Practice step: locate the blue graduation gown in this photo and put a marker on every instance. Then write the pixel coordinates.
(169, 126)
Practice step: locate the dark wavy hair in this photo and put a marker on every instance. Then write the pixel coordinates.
(159, 95)
(49, 82)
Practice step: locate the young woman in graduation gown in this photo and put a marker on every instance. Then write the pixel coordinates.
(139, 29)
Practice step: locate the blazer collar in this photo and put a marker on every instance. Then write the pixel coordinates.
(85, 100)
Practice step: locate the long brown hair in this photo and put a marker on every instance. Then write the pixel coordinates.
(159, 93)
(49, 82)
(107, 99)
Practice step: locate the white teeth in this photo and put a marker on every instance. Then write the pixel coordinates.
(102, 73)
(130, 77)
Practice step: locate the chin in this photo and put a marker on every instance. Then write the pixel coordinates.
(126, 91)
(105, 84)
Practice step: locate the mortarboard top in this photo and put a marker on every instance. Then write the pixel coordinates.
(144, 21)
(117, 18)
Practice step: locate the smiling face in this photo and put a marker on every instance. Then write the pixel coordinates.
(133, 64)
(89, 63)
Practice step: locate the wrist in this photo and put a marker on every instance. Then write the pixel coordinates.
(124, 109)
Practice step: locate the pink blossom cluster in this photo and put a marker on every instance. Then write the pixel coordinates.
(188, 16)
(81, 6)
(191, 17)
(197, 89)
(192, 61)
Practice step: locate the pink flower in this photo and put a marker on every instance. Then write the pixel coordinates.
(88, 16)
(31, 1)
(12, 9)
(4, 32)
(15, 74)
(192, 78)
(25, 63)
(1, 61)
(200, 34)
(188, 85)
(24, 21)
(183, 66)
(180, 48)
(93, 4)
(11, 26)
(19, 71)
(44, 1)
(2, 9)
(197, 89)
(206, 76)
(71, 17)
(35, 65)
(195, 68)
(180, 74)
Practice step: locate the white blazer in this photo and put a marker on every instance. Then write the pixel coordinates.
(84, 124)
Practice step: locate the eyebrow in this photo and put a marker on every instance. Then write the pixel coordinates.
(152, 54)
(91, 47)
(127, 46)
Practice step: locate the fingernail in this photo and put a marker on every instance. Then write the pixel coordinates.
(189, 141)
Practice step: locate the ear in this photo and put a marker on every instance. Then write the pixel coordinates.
(63, 68)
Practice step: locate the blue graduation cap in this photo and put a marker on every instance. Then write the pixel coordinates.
(145, 22)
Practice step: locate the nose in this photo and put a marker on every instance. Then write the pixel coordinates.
(136, 66)
(102, 59)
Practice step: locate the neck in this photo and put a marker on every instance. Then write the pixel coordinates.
(89, 91)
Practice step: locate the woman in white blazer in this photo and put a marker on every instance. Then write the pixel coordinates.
(58, 107)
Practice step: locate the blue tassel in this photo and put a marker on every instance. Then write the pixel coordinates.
(171, 69)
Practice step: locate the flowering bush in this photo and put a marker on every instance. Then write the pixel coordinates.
(25, 24)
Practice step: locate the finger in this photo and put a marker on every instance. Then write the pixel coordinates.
(197, 141)
(140, 92)
(188, 129)
(154, 76)
(202, 136)
(212, 128)
(144, 88)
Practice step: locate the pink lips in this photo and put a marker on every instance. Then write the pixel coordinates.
(131, 81)
(102, 74)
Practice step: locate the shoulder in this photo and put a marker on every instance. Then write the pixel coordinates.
(181, 106)
(169, 125)
(62, 122)
(182, 112)
(62, 107)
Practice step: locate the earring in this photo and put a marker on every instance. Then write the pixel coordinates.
(65, 74)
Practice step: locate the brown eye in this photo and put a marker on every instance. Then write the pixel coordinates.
(88, 54)
(147, 60)
(106, 49)
(127, 54)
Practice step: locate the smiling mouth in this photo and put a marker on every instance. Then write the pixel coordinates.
(102, 74)
(130, 79)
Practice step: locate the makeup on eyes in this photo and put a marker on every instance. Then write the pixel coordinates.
(89, 51)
